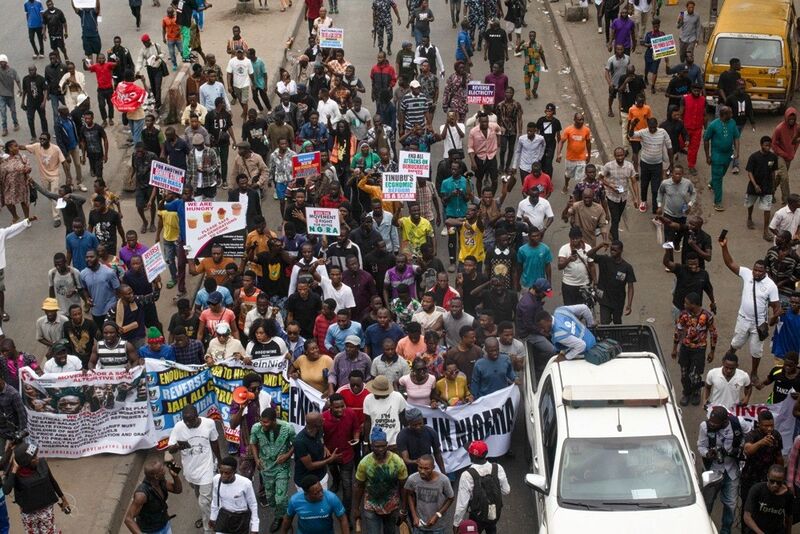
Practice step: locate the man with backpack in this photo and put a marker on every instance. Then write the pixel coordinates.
(481, 490)
(720, 446)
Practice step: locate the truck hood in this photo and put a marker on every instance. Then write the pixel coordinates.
(692, 519)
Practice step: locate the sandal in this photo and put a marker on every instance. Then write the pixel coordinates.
(6, 317)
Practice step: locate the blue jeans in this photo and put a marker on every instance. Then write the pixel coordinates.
(170, 253)
(5, 527)
(728, 491)
(136, 130)
(174, 47)
(199, 16)
(8, 102)
(55, 101)
(379, 524)
(166, 530)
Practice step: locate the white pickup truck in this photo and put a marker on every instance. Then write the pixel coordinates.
(608, 450)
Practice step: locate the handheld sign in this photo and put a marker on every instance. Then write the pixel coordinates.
(399, 186)
(322, 221)
(480, 93)
(166, 177)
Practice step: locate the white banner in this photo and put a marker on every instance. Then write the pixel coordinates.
(490, 418)
(73, 415)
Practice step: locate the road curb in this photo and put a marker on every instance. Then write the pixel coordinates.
(603, 140)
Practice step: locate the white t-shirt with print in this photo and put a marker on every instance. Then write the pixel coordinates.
(198, 460)
(385, 413)
(575, 273)
(724, 392)
(241, 69)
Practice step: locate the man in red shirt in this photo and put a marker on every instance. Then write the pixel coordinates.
(324, 320)
(312, 12)
(693, 109)
(103, 70)
(354, 394)
(537, 177)
(341, 432)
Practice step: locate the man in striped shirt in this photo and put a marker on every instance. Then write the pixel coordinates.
(656, 148)
(414, 109)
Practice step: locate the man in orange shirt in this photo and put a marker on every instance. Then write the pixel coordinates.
(578, 139)
(171, 35)
(638, 114)
(213, 266)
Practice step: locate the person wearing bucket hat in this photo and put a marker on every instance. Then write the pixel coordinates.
(50, 326)
(384, 407)
(35, 489)
(480, 468)
(155, 346)
(347, 361)
(61, 362)
(380, 477)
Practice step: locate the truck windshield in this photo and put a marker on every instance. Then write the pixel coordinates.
(614, 473)
(752, 52)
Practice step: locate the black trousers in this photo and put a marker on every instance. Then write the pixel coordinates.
(33, 35)
(136, 11)
(650, 177)
(616, 209)
(507, 146)
(104, 103)
(484, 167)
(609, 315)
(676, 236)
(692, 363)
(571, 294)
(260, 95)
(155, 77)
(31, 113)
(547, 160)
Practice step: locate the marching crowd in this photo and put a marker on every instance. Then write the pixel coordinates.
(373, 318)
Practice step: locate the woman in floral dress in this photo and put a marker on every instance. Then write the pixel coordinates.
(14, 177)
(455, 91)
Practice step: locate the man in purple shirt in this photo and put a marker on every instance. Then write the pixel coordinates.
(361, 282)
(347, 361)
(402, 274)
(531, 302)
(622, 33)
(132, 248)
(500, 81)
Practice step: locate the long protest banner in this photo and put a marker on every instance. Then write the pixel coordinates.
(490, 418)
(117, 411)
(72, 415)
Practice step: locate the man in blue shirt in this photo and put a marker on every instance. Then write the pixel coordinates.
(493, 372)
(385, 328)
(455, 193)
(90, 35)
(570, 331)
(344, 328)
(100, 285)
(33, 12)
(464, 44)
(315, 509)
(535, 258)
(156, 347)
(209, 286)
(79, 242)
(178, 205)
(787, 333)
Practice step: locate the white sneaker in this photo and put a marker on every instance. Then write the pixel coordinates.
(443, 233)
(82, 188)
(599, 29)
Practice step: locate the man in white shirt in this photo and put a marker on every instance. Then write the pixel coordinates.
(574, 262)
(511, 347)
(452, 134)
(196, 438)
(384, 407)
(727, 385)
(232, 493)
(211, 90)
(528, 150)
(5, 233)
(758, 293)
(535, 211)
(328, 109)
(478, 453)
(788, 217)
(334, 288)
(240, 79)
(61, 362)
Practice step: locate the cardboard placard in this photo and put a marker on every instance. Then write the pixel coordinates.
(323, 221)
(398, 186)
(663, 46)
(331, 37)
(480, 93)
(416, 163)
(167, 177)
(210, 223)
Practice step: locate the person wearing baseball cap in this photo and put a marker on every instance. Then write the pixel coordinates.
(550, 128)
(485, 520)
(61, 362)
(150, 59)
(350, 359)
(50, 326)
(224, 346)
(414, 109)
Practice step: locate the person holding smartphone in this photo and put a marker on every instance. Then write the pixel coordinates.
(197, 440)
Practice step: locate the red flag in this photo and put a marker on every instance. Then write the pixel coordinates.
(128, 97)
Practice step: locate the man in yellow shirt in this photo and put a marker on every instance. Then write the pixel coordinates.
(470, 234)
(258, 239)
(169, 234)
(415, 231)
